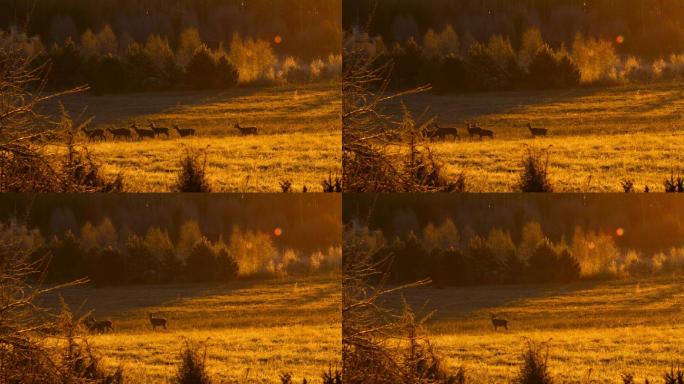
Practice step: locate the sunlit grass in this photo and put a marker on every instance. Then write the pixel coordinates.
(300, 136)
(254, 331)
(594, 331)
(597, 136)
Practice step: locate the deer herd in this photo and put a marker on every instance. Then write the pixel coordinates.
(103, 326)
(152, 132)
(436, 132)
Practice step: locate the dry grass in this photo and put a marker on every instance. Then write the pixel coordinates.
(595, 331)
(599, 136)
(254, 330)
(300, 136)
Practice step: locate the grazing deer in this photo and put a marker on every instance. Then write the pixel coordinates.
(158, 131)
(496, 322)
(441, 133)
(120, 133)
(537, 132)
(246, 131)
(474, 130)
(100, 326)
(157, 322)
(143, 133)
(184, 132)
(94, 134)
(486, 133)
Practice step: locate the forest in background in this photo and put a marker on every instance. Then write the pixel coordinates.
(122, 239)
(132, 46)
(502, 239)
(513, 45)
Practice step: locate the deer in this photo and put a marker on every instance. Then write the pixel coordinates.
(441, 133)
(94, 134)
(496, 322)
(100, 326)
(157, 322)
(537, 132)
(142, 133)
(486, 133)
(246, 131)
(473, 130)
(158, 131)
(184, 132)
(120, 133)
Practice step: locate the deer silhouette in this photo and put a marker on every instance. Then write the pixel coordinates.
(95, 134)
(474, 130)
(246, 131)
(119, 133)
(441, 133)
(184, 132)
(157, 322)
(537, 132)
(486, 133)
(100, 326)
(158, 131)
(497, 323)
(143, 133)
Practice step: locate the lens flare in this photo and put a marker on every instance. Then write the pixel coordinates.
(619, 39)
(278, 39)
(278, 232)
(620, 232)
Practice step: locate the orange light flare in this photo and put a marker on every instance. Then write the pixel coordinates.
(620, 232)
(278, 232)
(619, 39)
(278, 39)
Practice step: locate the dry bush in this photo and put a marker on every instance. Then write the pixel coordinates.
(36, 345)
(29, 161)
(192, 368)
(535, 175)
(379, 153)
(192, 177)
(535, 368)
(379, 345)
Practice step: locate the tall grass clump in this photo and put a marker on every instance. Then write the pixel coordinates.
(192, 177)
(192, 368)
(535, 173)
(535, 367)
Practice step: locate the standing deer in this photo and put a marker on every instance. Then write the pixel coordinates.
(184, 132)
(94, 134)
(496, 322)
(120, 133)
(441, 133)
(537, 132)
(143, 133)
(157, 322)
(486, 133)
(474, 130)
(246, 131)
(100, 326)
(158, 131)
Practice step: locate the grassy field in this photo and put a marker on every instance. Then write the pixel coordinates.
(254, 331)
(597, 136)
(595, 331)
(300, 136)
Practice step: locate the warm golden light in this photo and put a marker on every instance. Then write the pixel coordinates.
(620, 232)
(278, 232)
(619, 39)
(278, 39)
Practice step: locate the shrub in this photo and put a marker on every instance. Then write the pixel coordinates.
(535, 369)
(192, 369)
(192, 176)
(201, 69)
(227, 74)
(201, 263)
(548, 70)
(534, 176)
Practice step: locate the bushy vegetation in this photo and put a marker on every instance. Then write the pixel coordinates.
(453, 257)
